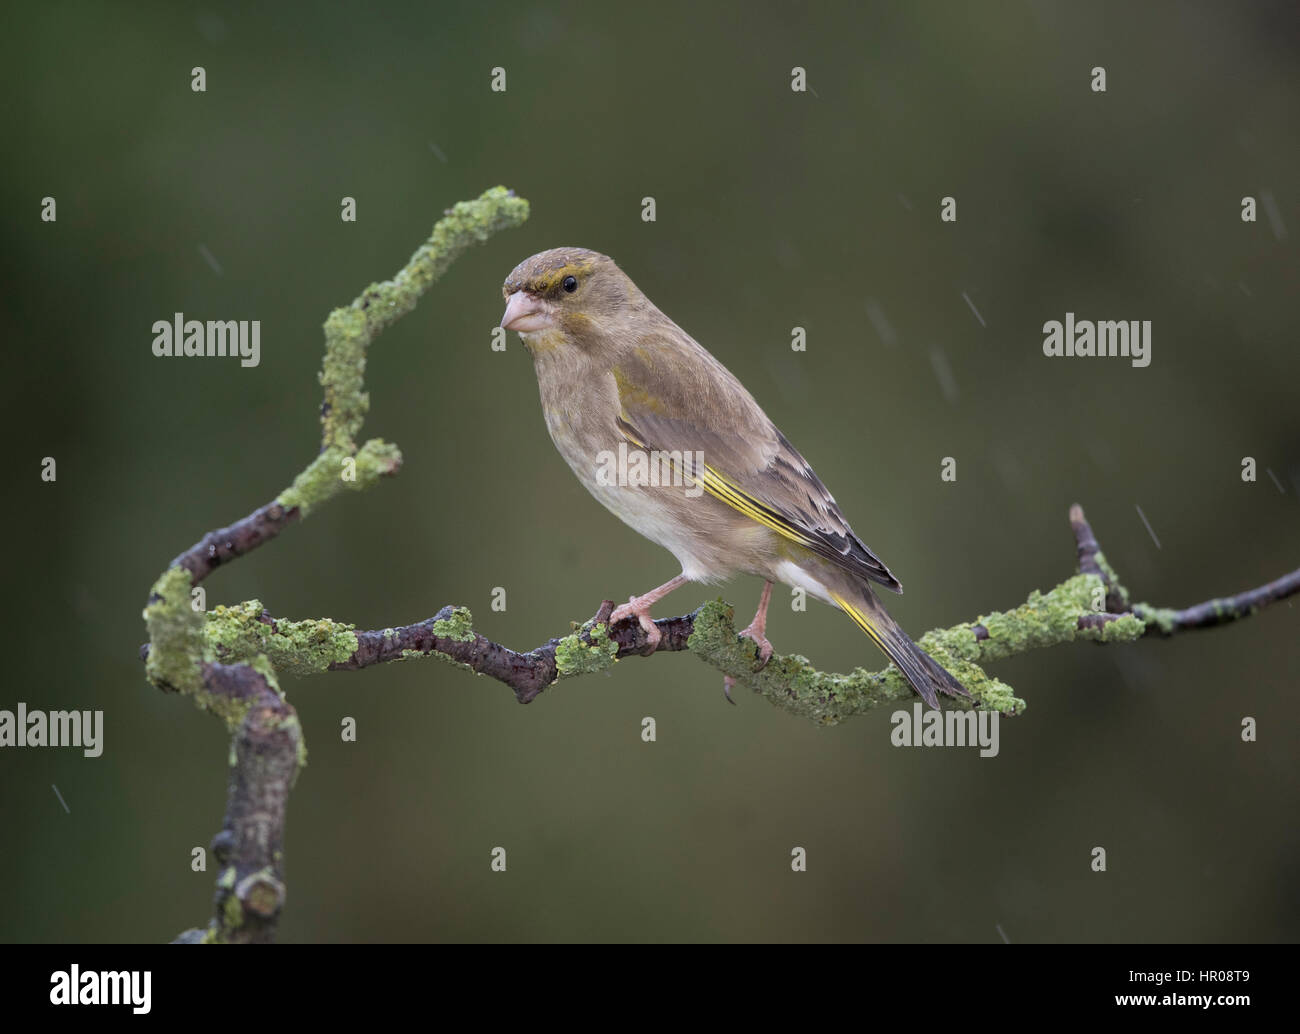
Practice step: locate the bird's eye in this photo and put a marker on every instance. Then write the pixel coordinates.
(570, 284)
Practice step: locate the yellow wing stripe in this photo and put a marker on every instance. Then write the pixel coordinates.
(719, 486)
(722, 487)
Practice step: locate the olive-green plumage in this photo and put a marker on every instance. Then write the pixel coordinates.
(618, 378)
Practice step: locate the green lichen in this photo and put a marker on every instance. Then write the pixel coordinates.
(587, 650)
(182, 641)
(232, 914)
(988, 693)
(338, 468)
(1045, 619)
(177, 651)
(175, 634)
(1160, 618)
(237, 633)
(347, 336)
(319, 481)
(460, 626)
(1124, 629)
(792, 683)
(376, 459)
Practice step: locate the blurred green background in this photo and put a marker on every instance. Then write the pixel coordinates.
(775, 209)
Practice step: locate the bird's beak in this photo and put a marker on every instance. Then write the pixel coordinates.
(525, 313)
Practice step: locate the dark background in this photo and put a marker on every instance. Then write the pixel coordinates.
(775, 209)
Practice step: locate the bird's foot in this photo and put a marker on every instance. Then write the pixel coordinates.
(756, 636)
(639, 608)
(764, 655)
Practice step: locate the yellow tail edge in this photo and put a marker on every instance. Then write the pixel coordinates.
(861, 620)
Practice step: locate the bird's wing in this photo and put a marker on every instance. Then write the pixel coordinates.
(675, 397)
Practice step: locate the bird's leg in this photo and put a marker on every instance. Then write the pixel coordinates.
(639, 606)
(757, 631)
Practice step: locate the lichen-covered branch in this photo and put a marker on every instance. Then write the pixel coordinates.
(1090, 606)
(238, 682)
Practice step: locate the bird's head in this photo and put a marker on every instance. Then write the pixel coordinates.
(577, 292)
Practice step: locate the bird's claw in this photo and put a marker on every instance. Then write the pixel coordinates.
(764, 647)
(764, 655)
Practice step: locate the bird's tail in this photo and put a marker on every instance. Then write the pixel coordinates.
(925, 674)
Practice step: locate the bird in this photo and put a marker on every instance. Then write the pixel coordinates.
(669, 440)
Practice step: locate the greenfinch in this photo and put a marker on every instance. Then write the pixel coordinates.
(667, 439)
